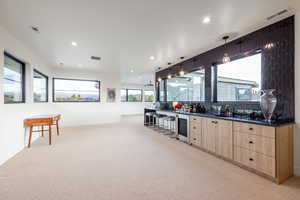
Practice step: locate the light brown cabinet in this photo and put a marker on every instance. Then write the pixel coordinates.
(258, 144)
(257, 161)
(196, 131)
(209, 135)
(217, 137)
(224, 139)
(265, 149)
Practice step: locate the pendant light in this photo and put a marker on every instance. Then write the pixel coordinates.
(226, 57)
(181, 73)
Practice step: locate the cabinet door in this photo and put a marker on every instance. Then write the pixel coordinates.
(196, 131)
(209, 135)
(224, 139)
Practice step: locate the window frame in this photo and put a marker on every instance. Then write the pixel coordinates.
(144, 95)
(47, 86)
(214, 77)
(127, 95)
(162, 84)
(23, 81)
(72, 79)
(166, 87)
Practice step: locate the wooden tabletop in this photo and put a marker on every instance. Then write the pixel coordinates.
(41, 119)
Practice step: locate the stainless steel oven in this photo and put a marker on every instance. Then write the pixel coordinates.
(182, 127)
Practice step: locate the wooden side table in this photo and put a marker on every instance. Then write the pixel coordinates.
(42, 121)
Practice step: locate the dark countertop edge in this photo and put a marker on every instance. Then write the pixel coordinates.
(264, 123)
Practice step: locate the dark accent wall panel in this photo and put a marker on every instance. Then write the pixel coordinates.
(277, 64)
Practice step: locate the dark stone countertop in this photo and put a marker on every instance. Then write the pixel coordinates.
(237, 119)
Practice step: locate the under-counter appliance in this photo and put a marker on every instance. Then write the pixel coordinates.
(182, 124)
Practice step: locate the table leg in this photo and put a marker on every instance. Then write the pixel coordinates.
(42, 131)
(30, 135)
(50, 135)
(57, 128)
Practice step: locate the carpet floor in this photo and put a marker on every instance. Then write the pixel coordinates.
(129, 161)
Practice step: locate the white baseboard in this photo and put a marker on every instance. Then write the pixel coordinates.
(10, 155)
(297, 170)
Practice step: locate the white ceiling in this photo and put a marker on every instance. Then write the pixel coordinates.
(125, 33)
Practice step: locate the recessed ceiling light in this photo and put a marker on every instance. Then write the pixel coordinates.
(74, 44)
(131, 71)
(206, 20)
(151, 57)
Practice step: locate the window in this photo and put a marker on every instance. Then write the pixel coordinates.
(40, 87)
(239, 80)
(149, 95)
(14, 80)
(75, 90)
(123, 95)
(134, 95)
(131, 95)
(162, 90)
(189, 87)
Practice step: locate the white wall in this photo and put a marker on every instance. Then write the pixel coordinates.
(296, 4)
(12, 135)
(76, 114)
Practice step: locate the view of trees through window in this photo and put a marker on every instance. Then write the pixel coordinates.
(13, 80)
(189, 87)
(149, 95)
(240, 80)
(40, 87)
(137, 95)
(134, 95)
(70, 90)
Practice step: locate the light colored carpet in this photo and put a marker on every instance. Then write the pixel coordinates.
(129, 161)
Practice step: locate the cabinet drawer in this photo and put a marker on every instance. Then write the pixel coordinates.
(196, 137)
(264, 131)
(255, 160)
(195, 120)
(196, 141)
(255, 143)
(195, 127)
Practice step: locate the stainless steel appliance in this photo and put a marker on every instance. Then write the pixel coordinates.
(182, 127)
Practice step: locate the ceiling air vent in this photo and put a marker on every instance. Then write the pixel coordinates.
(277, 14)
(95, 58)
(35, 29)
